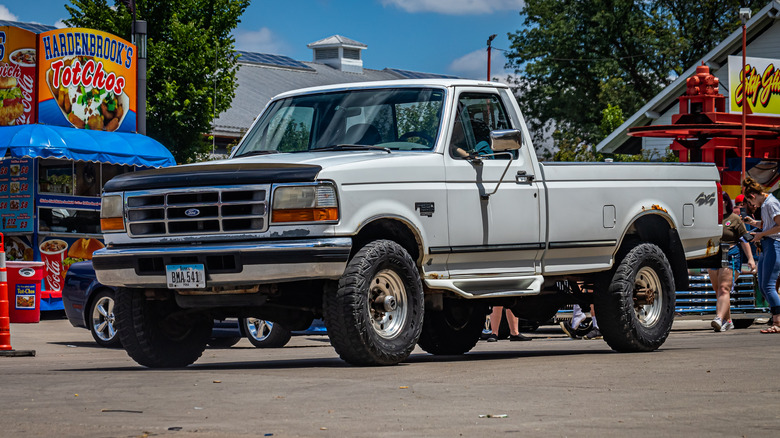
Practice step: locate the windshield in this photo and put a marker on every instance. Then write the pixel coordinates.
(387, 118)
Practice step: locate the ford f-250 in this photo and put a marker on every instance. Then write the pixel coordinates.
(398, 212)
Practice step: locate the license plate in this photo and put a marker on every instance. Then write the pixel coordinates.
(185, 276)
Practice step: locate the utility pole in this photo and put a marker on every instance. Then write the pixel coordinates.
(489, 44)
(744, 16)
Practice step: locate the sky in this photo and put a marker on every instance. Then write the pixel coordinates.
(432, 36)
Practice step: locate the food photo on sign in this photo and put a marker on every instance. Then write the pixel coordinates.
(17, 76)
(89, 80)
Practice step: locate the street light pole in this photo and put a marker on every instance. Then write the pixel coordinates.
(489, 43)
(744, 16)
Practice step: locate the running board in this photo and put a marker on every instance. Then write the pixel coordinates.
(490, 288)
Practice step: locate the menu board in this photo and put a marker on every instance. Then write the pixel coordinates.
(87, 80)
(17, 76)
(16, 195)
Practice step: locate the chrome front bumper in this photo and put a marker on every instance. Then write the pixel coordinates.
(240, 263)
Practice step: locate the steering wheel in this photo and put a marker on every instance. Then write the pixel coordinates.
(418, 134)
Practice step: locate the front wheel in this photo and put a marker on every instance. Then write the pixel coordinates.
(636, 310)
(265, 334)
(157, 333)
(101, 320)
(375, 316)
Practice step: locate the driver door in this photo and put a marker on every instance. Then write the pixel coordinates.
(494, 228)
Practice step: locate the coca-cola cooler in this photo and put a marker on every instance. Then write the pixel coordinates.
(24, 291)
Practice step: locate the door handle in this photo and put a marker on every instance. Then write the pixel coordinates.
(522, 177)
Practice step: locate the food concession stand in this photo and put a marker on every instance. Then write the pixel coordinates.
(67, 126)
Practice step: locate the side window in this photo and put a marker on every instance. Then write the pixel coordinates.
(477, 115)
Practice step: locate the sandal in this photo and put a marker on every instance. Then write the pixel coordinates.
(773, 329)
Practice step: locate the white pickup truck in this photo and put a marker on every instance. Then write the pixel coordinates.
(398, 212)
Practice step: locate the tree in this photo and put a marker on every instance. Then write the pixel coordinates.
(191, 65)
(575, 58)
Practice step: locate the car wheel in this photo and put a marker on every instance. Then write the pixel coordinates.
(376, 314)
(265, 334)
(158, 333)
(455, 329)
(101, 320)
(635, 312)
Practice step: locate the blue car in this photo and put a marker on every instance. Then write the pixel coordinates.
(90, 304)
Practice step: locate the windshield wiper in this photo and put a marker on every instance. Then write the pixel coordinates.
(253, 153)
(352, 147)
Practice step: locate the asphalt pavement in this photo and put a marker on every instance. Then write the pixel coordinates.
(699, 383)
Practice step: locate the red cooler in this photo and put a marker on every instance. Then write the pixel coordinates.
(24, 290)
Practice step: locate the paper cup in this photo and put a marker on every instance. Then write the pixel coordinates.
(53, 256)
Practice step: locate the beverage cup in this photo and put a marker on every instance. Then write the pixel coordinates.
(53, 256)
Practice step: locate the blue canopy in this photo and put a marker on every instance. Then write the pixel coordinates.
(47, 141)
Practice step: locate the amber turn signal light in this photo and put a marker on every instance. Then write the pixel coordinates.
(305, 215)
(110, 224)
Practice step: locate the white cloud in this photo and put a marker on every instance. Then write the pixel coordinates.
(474, 65)
(5, 14)
(60, 24)
(456, 7)
(262, 40)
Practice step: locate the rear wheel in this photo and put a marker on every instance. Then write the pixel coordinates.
(375, 316)
(636, 310)
(456, 329)
(157, 333)
(101, 320)
(265, 334)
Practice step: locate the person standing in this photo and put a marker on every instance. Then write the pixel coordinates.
(514, 323)
(769, 238)
(724, 278)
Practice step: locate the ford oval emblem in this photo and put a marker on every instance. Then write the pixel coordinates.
(192, 212)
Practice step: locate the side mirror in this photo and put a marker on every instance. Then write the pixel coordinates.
(506, 140)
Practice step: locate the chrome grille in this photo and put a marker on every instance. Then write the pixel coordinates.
(202, 210)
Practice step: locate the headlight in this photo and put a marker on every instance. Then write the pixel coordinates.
(112, 214)
(305, 203)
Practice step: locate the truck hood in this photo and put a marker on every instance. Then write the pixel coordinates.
(260, 169)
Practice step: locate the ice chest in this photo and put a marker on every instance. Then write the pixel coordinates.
(24, 290)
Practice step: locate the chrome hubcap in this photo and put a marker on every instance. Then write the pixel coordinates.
(103, 321)
(259, 328)
(388, 304)
(648, 296)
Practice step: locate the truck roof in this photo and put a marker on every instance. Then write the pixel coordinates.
(430, 82)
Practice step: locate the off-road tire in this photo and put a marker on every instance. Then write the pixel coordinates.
(265, 334)
(454, 330)
(642, 327)
(361, 333)
(155, 340)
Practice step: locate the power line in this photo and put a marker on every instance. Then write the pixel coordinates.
(581, 59)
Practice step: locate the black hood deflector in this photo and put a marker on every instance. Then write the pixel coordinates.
(210, 175)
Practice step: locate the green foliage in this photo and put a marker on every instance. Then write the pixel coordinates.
(571, 147)
(191, 66)
(295, 138)
(423, 117)
(573, 59)
(611, 119)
